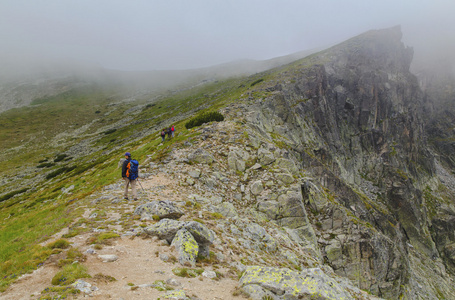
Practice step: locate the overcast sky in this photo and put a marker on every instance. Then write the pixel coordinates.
(172, 34)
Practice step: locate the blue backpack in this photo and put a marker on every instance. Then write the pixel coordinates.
(132, 170)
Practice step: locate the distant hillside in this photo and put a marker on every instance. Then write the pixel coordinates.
(21, 83)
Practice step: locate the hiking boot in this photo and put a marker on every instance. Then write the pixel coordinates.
(126, 198)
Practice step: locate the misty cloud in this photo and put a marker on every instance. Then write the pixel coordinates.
(147, 35)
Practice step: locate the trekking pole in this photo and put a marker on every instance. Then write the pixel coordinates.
(140, 184)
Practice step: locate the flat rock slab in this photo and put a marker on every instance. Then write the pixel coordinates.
(162, 209)
(108, 257)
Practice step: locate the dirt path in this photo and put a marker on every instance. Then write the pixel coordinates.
(138, 265)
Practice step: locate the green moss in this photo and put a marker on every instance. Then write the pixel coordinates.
(216, 215)
(186, 272)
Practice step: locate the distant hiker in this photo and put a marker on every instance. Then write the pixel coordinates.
(130, 174)
(163, 135)
(172, 130)
(169, 132)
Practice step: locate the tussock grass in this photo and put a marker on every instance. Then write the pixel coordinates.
(69, 274)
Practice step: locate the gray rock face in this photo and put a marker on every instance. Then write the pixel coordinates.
(287, 284)
(270, 208)
(201, 156)
(162, 209)
(260, 237)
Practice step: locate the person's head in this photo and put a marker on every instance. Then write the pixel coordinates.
(128, 155)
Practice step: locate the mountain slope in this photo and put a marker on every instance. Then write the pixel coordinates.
(324, 168)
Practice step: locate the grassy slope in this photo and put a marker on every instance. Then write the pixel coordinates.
(29, 218)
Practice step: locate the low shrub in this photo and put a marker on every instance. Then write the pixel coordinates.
(45, 165)
(204, 118)
(60, 157)
(59, 171)
(12, 194)
(257, 81)
(110, 131)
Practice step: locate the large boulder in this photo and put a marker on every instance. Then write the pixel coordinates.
(287, 165)
(201, 156)
(271, 208)
(285, 178)
(165, 229)
(200, 232)
(286, 284)
(257, 187)
(227, 209)
(186, 246)
(265, 157)
(163, 209)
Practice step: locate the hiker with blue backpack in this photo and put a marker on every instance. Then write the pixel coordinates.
(130, 173)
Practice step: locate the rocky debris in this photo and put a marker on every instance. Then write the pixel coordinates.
(161, 209)
(237, 159)
(84, 286)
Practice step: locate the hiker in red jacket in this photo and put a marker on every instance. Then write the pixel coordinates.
(172, 130)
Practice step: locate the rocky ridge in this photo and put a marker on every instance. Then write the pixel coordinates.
(199, 192)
